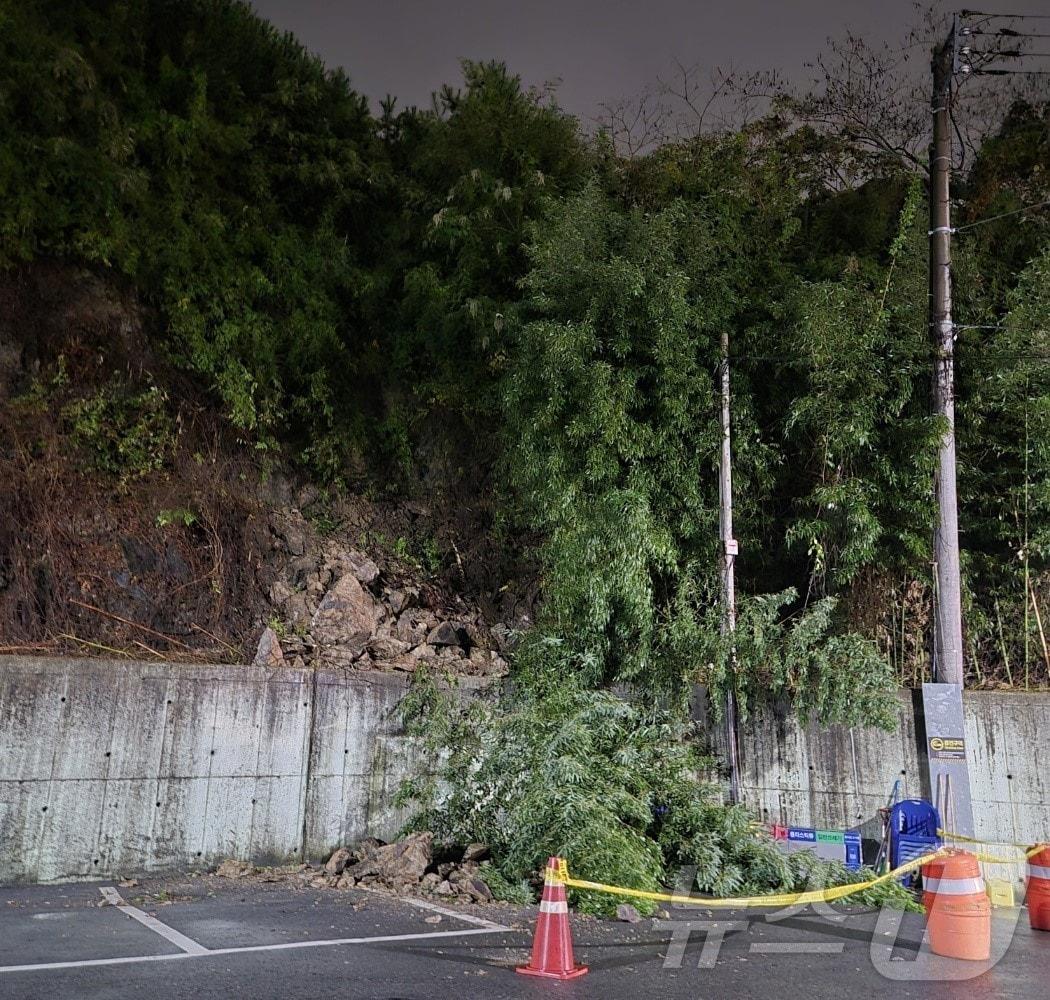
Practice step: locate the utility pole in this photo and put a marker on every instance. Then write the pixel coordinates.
(729, 550)
(947, 648)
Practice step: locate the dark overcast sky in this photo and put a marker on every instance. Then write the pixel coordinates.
(599, 49)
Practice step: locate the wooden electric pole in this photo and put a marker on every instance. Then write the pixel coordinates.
(729, 549)
(947, 649)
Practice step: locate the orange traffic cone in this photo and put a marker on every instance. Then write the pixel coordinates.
(1039, 890)
(552, 946)
(958, 912)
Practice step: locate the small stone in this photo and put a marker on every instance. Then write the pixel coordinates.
(479, 890)
(297, 608)
(435, 919)
(475, 852)
(279, 593)
(443, 888)
(501, 633)
(232, 868)
(268, 653)
(387, 647)
(443, 634)
(410, 631)
(363, 568)
(627, 913)
(477, 636)
(294, 540)
(338, 861)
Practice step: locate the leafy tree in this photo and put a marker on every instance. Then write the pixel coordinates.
(205, 156)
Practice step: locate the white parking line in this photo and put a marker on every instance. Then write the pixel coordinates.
(208, 953)
(188, 945)
(796, 948)
(423, 904)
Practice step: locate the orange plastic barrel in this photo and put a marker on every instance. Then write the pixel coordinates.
(958, 911)
(1038, 895)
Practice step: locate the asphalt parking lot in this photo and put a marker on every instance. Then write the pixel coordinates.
(206, 937)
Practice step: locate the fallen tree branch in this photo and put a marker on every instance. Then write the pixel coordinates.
(128, 621)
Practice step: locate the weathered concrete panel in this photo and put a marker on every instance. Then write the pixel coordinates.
(109, 767)
(835, 776)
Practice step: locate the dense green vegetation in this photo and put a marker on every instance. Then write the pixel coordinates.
(356, 289)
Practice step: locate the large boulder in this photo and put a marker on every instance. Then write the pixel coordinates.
(404, 861)
(346, 616)
(268, 655)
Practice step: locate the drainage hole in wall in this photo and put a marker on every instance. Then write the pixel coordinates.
(43, 809)
(199, 853)
(158, 805)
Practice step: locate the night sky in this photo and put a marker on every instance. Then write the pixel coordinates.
(600, 50)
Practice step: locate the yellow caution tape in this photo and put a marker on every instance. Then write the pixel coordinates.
(734, 902)
(561, 874)
(1029, 849)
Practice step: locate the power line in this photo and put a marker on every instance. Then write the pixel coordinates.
(1008, 54)
(1003, 215)
(1010, 72)
(1009, 17)
(1005, 33)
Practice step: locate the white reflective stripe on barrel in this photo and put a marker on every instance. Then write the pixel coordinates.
(953, 886)
(546, 906)
(1038, 871)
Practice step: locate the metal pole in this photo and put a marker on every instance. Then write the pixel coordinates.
(729, 550)
(947, 650)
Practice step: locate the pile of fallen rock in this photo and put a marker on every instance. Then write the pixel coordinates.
(405, 867)
(337, 608)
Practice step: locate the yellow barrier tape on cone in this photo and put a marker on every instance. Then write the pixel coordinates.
(1030, 850)
(739, 902)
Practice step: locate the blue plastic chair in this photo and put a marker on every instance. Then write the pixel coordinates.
(913, 832)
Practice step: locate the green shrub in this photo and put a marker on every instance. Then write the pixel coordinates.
(616, 789)
(127, 432)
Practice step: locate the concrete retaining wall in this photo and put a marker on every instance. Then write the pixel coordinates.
(118, 766)
(838, 777)
(109, 767)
